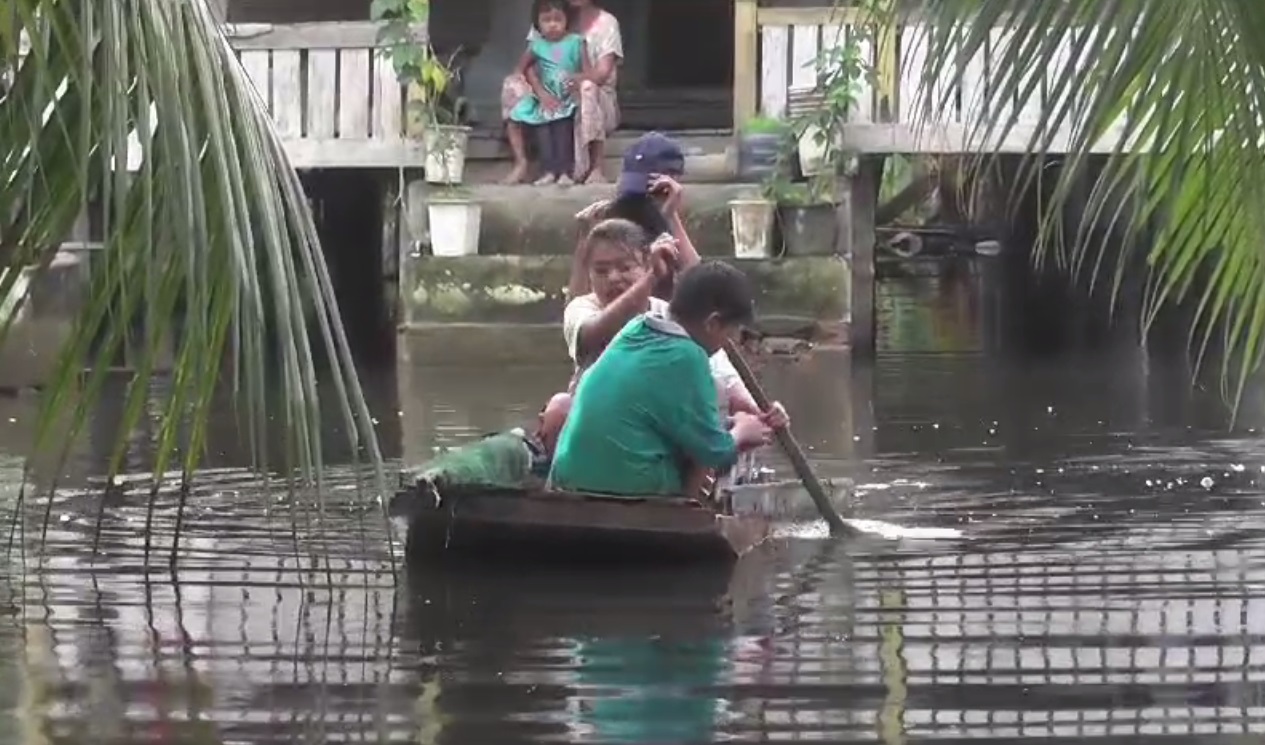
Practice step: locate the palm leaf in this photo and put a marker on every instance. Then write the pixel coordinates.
(1160, 103)
(208, 237)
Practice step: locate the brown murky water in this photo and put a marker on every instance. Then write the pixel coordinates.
(1109, 586)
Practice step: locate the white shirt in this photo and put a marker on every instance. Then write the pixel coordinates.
(586, 307)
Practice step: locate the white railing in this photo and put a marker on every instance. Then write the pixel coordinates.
(896, 115)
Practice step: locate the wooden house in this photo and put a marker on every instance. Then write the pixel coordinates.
(696, 68)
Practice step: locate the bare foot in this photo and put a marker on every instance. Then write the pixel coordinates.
(595, 177)
(517, 175)
(546, 180)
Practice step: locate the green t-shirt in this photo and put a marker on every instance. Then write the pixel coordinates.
(644, 406)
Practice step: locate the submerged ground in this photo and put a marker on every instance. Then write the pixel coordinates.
(1109, 582)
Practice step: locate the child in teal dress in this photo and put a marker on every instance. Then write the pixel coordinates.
(560, 58)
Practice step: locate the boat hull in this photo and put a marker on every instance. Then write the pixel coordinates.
(519, 525)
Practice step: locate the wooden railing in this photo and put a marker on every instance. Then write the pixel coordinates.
(336, 100)
(893, 112)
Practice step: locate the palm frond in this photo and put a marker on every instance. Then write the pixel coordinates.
(141, 107)
(1160, 103)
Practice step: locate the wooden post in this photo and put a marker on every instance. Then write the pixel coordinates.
(858, 202)
(746, 61)
(405, 233)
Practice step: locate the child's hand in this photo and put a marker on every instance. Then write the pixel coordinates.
(749, 432)
(664, 256)
(669, 190)
(776, 417)
(549, 103)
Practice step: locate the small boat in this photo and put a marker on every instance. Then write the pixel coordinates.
(483, 500)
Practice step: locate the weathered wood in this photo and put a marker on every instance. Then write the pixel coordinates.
(805, 46)
(821, 16)
(341, 35)
(746, 55)
(353, 94)
(322, 94)
(287, 93)
(774, 44)
(258, 67)
(388, 101)
(362, 153)
(935, 138)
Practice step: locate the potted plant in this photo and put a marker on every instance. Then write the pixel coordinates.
(761, 140)
(433, 109)
(806, 215)
(455, 219)
(751, 222)
(817, 114)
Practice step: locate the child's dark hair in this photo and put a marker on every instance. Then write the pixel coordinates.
(713, 287)
(641, 210)
(540, 6)
(618, 232)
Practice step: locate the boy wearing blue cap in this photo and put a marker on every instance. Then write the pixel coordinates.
(644, 419)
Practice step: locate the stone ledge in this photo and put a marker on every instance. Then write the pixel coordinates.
(492, 344)
(529, 289)
(540, 220)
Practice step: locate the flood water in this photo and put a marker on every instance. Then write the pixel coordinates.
(1108, 584)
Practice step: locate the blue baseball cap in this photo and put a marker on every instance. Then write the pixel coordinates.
(652, 154)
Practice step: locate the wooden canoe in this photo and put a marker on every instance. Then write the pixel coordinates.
(538, 524)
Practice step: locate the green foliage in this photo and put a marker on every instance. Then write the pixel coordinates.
(1174, 92)
(208, 237)
(404, 41)
(839, 71)
(764, 125)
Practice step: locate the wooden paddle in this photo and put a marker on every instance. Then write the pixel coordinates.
(790, 447)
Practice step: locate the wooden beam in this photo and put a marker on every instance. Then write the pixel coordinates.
(339, 35)
(824, 16)
(746, 61)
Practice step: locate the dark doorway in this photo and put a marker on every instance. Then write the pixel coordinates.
(347, 207)
(691, 44)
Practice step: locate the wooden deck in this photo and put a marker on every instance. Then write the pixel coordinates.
(894, 116)
(337, 103)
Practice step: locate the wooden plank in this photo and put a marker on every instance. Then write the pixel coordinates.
(945, 139)
(974, 87)
(914, 98)
(322, 94)
(820, 16)
(746, 62)
(344, 153)
(998, 41)
(388, 100)
(258, 67)
(353, 94)
(1054, 101)
(325, 35)
(287, 93)
(805, 46)
(864, 111)
(774, 76)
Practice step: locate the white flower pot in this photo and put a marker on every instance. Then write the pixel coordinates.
(812, 151)
(752, 224)
(454, 226)
(445, 153)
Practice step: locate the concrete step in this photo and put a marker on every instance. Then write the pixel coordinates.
(539, 220)
(804, 297)
(709, 156)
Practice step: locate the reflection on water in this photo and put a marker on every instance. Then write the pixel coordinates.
(1110, 586)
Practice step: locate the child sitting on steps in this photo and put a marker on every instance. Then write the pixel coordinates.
(550, 113)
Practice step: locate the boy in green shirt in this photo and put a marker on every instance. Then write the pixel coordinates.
(647, 409)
